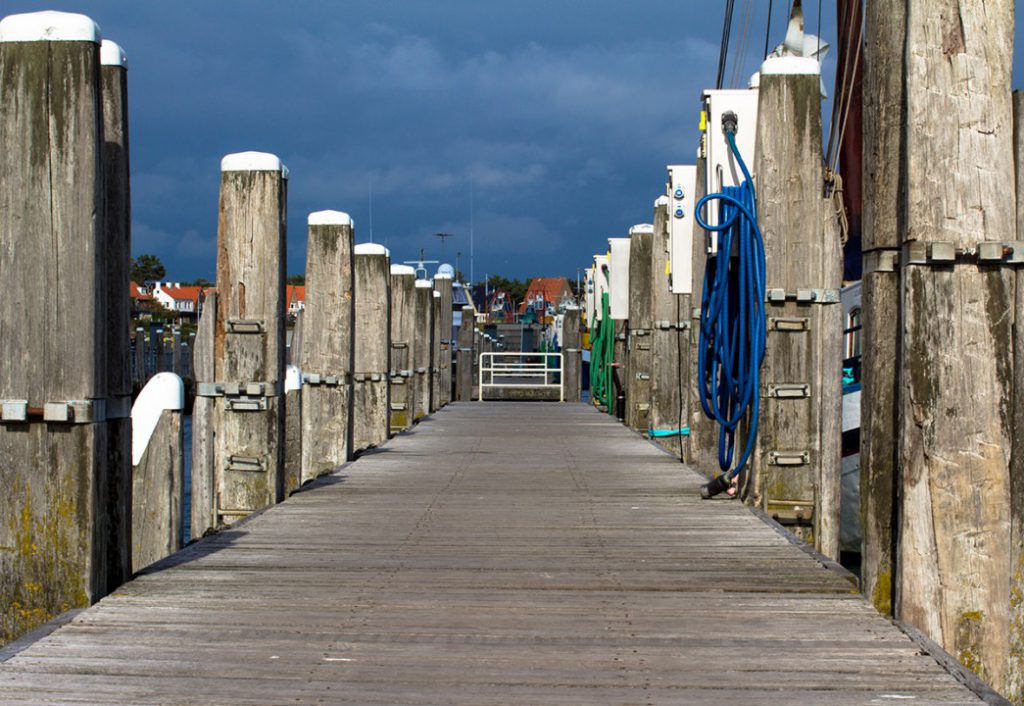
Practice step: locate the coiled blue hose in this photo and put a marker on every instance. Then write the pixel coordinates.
(732, 319)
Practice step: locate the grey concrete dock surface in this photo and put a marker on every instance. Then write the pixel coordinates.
(500, 553)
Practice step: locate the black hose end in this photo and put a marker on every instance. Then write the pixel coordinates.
(716, 486)
(730, 122)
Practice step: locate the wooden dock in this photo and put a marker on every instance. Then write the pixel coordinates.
(499, 553)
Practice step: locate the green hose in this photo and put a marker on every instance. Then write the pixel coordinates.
(602, 354)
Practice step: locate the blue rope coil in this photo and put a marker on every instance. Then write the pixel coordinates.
(732, 318)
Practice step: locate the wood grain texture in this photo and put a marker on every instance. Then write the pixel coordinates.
(578, 568)
(641, 324)
(444, 381)
(293, 445)
(802, 250)
(158, 494)
(435, 353)
(671, 347)
(885, 29)
(403, 341)
(1014, 688)
(115, 264)
(421, 348)
(370, 395)
(204, 439)
(466, 356)
(63, 546)
(572, 354)
(955, 370)
(250, 287)
(328, 349)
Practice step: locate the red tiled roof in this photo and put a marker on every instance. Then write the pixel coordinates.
(133, 290)
(295, 293)
(185, 293)
(552, 288)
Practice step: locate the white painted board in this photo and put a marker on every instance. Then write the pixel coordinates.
(618, 261)
(682, 187)
(722, 168)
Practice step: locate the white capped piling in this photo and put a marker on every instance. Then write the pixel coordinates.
(435, 351)
(443, 286)
(670, 344)
(249, 338)
(641, 324)
(116, 262)
(63, 530)
(158, 470)
(327, 346)
(402, 377)
(370, 405)
(421, 347)
(293, 442)
(794, 471)
(572, 354)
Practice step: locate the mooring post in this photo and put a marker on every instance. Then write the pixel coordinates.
(670, 343)
(139, 372)
(443, 285)
(421, 345)
(794, 472)
(641, 324)
(954, 214)
(116, 261)
(370, 409)
(466, 339)
(158, 470)
(324, 345)
(435, 350)
(572, 354)
(880, 299)
(402, 378)
(249, 336)
(1015, 666)
(204, 489)
(293, 442)
(57, 518)
(177, 362)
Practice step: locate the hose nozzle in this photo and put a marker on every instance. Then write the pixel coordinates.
(716, 486)
(730, 122)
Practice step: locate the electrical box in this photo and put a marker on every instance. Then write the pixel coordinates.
(682, 187)
(600, 283)
(722, 169)
(588, 299)
(618, 262)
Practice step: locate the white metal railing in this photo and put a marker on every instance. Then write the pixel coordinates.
(521, 371)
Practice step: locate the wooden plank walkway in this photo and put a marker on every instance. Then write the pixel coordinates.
(500, 553)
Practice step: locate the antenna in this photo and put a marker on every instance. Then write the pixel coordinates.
(421, 265)
(443, 237)
(371, 208)
(471, 233)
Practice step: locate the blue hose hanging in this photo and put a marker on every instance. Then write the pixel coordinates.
(732, 320)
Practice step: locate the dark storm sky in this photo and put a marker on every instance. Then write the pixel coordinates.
(561, 114)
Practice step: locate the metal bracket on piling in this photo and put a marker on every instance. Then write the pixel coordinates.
(669, 325)
(789, 458)
(246, 326)
(788, 391)
(802, 296)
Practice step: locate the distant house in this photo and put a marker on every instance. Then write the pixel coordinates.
(295, 296)
(546, 297)
(140, 297)
(186, 300)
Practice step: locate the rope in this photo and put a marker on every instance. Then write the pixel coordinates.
(723, 50)
(732, 322)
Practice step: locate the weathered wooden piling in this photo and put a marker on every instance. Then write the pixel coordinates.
(370, 394)
(139, 373)
(177, 361)
(247, 376)
(204, 489)
(880, 298)
(641, 324)
(293, 446)
(435, 350)
(326, 346)
(158, 470)
(421, 345)
(443, 285)
(465, 350)
(65, 538)
(402, 378)
(795, 467)
(116, 261)
(1014, 683)
(572, 354)
(670, 336)
(953, 413)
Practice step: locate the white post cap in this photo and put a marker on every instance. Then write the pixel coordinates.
(371, 249)
(111, 54)
(403, 270)
(163, 391)
(330, 218)
(49, 26)
(253, 162)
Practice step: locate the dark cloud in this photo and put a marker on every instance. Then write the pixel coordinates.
(561, 115)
